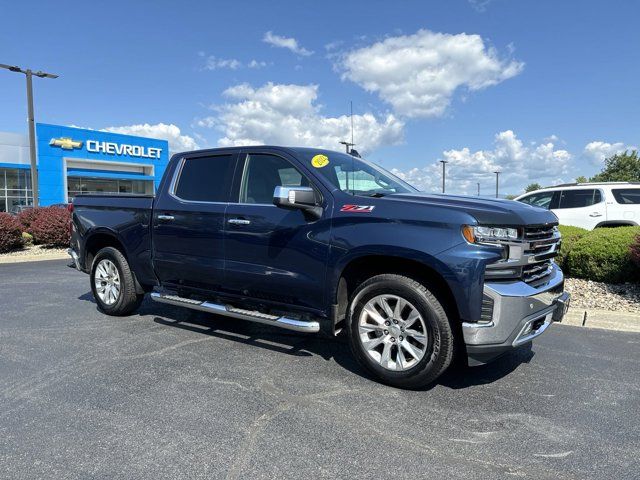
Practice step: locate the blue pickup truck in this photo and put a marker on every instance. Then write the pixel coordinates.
(318, 241)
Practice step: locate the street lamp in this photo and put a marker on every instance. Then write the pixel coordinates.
(443, 162)
(497, 176)
(32, 129)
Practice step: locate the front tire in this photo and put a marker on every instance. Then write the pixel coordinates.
(113, 284)
(399, 331)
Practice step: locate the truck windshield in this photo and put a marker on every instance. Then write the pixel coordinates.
(356, 176)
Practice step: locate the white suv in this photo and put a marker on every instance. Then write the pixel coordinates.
(590, 205)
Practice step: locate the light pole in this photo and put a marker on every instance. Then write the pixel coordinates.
(443, 162)
(497, 177)
(32, 128)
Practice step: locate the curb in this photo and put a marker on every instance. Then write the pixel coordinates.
(34, 258)
(603, 319)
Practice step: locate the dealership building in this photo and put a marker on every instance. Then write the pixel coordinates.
(74, 160)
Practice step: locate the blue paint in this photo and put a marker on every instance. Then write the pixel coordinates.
(51, 158)
(15, 165)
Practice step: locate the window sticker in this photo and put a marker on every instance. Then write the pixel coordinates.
(320, 161)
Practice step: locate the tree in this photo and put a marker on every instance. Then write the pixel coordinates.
(582, 179)
(531, 187)
(621, 167)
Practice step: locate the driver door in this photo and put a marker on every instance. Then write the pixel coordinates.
(271, 253)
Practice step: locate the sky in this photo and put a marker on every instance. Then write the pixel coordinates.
(540, 90)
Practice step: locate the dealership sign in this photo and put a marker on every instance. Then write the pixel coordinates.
(109, 148)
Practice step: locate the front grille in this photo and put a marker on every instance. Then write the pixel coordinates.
(538, 233)
(530, 258)
(536, 271)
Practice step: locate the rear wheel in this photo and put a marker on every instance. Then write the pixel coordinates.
(399, 331)
(112, 283)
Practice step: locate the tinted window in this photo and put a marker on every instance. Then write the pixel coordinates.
(627, 196)
(205, 179)
(579, 198)
(263, 173)
(542, 199)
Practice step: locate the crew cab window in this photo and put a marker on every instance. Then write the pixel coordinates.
(263, 173)
(542, 199)
(627, 196)
(579, 198)
(205, 179)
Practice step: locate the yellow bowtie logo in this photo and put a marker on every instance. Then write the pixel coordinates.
(65, 143)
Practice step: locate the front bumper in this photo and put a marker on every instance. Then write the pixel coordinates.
(520, 314)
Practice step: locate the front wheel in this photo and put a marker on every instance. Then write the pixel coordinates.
(112, 283)
(399, 331)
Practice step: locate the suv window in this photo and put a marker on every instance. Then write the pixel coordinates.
(263, 173)
(627, 196)
(542, 199)
(205, 179)
(579, 198)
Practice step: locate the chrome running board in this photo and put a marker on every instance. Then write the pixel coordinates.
(308, 326)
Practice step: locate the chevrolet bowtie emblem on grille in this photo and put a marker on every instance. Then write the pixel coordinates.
(65, 143)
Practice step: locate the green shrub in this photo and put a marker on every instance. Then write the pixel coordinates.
(604, 255)
(27, 238)
(570, 235)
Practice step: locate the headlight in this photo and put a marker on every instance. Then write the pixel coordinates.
(488, 234)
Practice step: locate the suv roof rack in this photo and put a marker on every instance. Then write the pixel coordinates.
(575, 184)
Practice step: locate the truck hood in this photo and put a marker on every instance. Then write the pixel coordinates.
(487, 211)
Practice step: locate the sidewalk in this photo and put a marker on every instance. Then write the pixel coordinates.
(34, 254)
(604, 319)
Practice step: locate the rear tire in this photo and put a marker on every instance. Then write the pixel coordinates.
(399, 331)
(113, 284)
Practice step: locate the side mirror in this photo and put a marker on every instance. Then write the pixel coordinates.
(297, 198)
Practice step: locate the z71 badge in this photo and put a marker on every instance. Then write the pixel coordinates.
(357, 208)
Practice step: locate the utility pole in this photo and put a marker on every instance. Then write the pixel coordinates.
(497, 177)
(478, 188)
(32, 128)
(444, 174)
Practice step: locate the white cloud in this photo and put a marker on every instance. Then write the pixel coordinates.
(286, 42)
(256, 64)
(162, 131)
(598, 150)
(211, 62)
(518, 163)
(214, 63)
(418, 74)
(289, 115)
(480, 5)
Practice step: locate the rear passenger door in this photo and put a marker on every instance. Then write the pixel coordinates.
(188, 222)
(274, 254)
(582, 207)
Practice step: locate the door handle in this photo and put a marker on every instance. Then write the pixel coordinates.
(239, 221)
(166, 218)
(595, 214)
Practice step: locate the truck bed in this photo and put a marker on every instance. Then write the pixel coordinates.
(126, 217)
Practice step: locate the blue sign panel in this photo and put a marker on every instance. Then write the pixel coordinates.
(70, 151)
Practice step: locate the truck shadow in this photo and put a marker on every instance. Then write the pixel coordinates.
(336, 349)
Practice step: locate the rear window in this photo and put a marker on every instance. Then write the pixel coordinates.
(205, 179)
(579, 198)
(627, 196)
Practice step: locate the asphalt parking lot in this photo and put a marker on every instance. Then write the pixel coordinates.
(172, 393)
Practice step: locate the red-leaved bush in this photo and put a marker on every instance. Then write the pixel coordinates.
(634, 251)
(27, 217)
(10, 232)
(51, 227)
